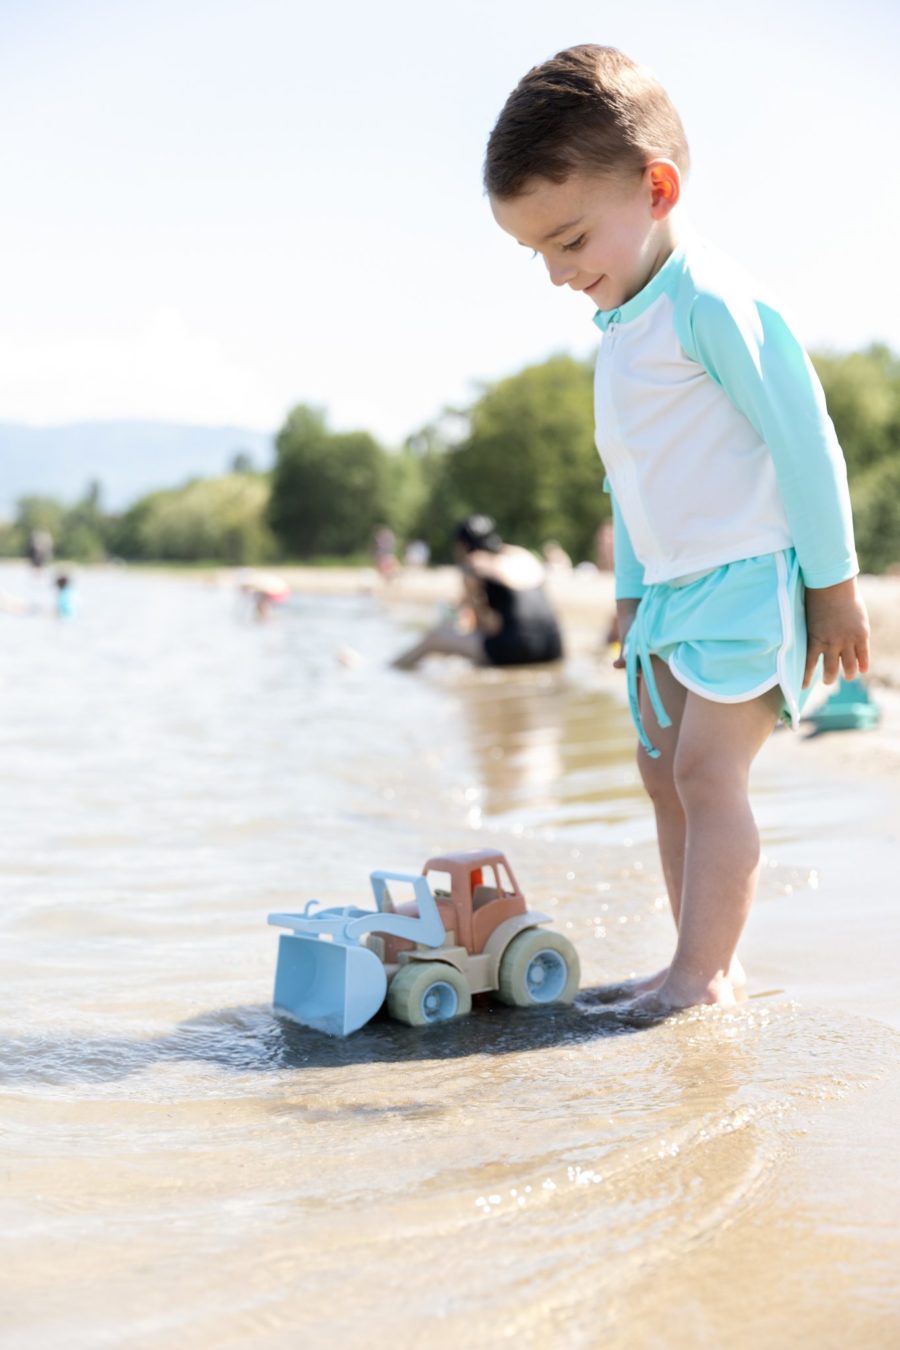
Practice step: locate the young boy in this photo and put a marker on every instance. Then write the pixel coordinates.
(735, 564)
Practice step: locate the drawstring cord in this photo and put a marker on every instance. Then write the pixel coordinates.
(638, 661)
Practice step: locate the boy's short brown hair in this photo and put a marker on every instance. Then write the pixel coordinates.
(589, 109)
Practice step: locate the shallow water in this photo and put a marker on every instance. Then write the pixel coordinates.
(180, 1168)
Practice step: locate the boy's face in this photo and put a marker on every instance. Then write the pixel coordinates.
(605, 236)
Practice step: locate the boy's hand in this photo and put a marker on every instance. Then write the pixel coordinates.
(625, 612)
(838, 629)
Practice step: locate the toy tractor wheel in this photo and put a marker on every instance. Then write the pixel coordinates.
(538, 967)
(423, 992)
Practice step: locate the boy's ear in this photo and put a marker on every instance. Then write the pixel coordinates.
(665, 186)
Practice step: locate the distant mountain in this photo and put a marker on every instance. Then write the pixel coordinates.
(128, 459)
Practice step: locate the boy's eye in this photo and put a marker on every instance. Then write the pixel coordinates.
(575, 244)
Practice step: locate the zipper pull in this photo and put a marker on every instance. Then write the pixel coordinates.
(611, 326)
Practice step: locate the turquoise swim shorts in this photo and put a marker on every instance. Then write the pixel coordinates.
(727, 635)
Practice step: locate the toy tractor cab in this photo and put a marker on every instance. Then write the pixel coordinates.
(473, 933)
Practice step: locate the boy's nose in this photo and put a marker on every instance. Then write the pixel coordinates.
(560, 272)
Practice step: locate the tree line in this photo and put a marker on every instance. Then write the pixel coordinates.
(523, 451)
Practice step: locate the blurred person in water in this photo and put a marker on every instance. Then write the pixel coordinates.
(65, 597)
(504, 617)
(417, 553)
(40, 548)
(264, 590)
(384, 549)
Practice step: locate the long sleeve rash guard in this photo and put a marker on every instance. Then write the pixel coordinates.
(712, 427)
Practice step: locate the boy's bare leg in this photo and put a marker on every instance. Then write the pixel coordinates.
(659, 780)
(448, 642)
(658, 776)
(717, 743)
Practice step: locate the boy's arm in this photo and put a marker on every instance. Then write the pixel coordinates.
(629, 570)
(629, 575)
(762, 367)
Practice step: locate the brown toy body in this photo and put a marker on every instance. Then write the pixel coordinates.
(483, 896)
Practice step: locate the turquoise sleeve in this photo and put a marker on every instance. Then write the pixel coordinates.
(756, 359)
(629, 571)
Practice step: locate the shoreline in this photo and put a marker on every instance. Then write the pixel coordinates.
(584, 600)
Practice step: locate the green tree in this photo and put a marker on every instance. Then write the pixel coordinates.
(530, 460)
(40, 513)
(329, 490)
(11, 545)
(862, 390)
(876, 511)
(222, 519)
(242, 462)
(84, 528)
(406, 492)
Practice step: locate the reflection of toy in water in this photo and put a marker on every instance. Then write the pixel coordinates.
(427, 956)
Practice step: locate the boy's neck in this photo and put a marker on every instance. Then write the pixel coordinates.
(668, 239)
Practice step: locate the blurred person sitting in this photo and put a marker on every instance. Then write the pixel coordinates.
(510, 620)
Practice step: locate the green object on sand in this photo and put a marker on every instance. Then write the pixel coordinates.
(850, 708)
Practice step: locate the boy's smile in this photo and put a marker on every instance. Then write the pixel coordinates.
(602, 235)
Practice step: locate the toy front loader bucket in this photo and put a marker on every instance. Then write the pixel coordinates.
(334, 987)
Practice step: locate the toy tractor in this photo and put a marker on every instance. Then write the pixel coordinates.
(427, 956)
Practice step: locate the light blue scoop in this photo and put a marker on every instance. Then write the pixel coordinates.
(325, 977)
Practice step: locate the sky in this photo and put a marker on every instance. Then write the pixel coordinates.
(216, 209)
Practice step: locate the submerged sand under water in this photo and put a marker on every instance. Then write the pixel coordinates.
(180, 1168)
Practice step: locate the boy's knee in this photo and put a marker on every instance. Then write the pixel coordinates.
(656, 775)
(702, 777)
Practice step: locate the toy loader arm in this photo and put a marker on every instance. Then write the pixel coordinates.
(426, 928)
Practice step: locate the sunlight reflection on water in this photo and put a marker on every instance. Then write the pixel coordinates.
(174, 772)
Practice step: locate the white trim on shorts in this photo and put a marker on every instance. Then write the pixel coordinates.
(700, 689)
(779, 678)
(788, 636)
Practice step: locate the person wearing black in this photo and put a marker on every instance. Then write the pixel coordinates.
(510, 621)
